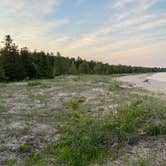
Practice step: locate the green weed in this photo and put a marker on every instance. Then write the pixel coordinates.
(154, 129)
(74, 104)
(24, 148)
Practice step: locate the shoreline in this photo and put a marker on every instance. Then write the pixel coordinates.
(144, 81)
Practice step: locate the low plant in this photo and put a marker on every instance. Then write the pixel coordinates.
(88, 139)
(24, 148)
(115, 86)
(140, 162)
(153, 129)
(74, 104)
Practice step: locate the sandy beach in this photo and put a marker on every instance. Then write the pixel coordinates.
(146, 81)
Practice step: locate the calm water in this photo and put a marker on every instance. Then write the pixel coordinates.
(159, 77)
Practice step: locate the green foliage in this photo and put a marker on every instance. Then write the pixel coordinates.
(25, 148)
(84, 141)
(154, 129)
(74, 104)
(87, 139)
(11, 162)
(73, 69)
(83, 68)
(2, 73)
(140, 162)
(98, 68)
(23, 64)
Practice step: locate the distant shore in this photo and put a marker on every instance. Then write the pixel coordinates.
(145, 81)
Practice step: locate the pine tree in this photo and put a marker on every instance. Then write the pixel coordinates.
(29, 67)
(98, 69)
(12, 63)
(72, 69)
(2, 72)
(83, 68)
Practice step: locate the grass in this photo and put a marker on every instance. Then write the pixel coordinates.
(74, 104)
(25, 148)
(92, 132)
(88, 139)
(154, 129)
(34, 83)
(115, 86)
(141, 162)
(11, 162)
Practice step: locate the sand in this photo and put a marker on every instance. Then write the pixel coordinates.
(144, 81)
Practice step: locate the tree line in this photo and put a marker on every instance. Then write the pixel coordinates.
(20, 64)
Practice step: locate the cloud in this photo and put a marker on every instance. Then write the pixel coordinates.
(28, 7)
(144, 4)
(47, 25)
(121, 3)
(25, 21)
(120, 29)
(153, 24)
(138, 7)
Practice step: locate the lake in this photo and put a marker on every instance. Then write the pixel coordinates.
(159, 77)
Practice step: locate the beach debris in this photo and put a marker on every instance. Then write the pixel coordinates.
(146, 80)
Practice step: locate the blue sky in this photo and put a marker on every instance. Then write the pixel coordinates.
(131, 32)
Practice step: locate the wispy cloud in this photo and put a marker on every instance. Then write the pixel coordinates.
(25, 21)
(76, 30)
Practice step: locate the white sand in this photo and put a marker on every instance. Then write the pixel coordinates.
(145, 81)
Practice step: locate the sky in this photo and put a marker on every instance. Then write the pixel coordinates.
(129, 32)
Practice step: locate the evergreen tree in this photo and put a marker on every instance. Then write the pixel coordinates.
(59, 65)
(2, 72)
(29, 67)
(98, 69)
(83, 68)
(72, 69)
(18, 64)
(12, 63)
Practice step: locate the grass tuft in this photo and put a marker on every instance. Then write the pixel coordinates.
(24, 148)
(154, 129)
(74, 104)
